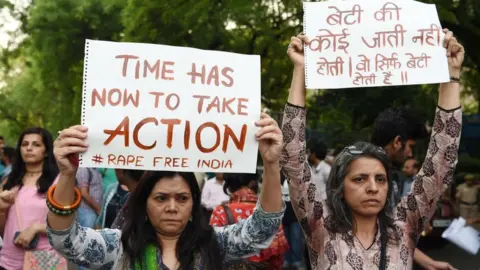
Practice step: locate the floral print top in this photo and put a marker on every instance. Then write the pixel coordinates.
(103, 249)
(343, 251)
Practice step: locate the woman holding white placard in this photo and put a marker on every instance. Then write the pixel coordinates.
(164, 226)
(355, 227)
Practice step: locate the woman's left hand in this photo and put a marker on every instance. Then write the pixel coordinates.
(270, 139)
(26, 237)
(436, 265)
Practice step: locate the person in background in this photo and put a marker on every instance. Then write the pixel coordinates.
(467, 197)
(330, 158)
(397, 132)
(109, 177)
(295, 254)
(7, 159)
(241, 206)
(212, 193)
(89, 181)
(320, 168)
(115, 196)
(2, 166)
(410, 169)
(23, 206)
(201, 177)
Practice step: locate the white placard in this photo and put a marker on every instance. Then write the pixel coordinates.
(465, 237)
(373, 43)
(156, 107)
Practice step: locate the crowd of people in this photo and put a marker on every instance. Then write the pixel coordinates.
(364, 207)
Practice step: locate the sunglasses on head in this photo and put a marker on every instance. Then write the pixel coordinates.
(353, 150)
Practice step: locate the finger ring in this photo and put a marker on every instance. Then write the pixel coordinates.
(58, 135)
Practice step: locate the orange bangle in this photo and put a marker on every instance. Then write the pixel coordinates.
(75, 205)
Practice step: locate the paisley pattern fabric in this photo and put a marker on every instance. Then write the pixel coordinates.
(343, 251)
(103, 249)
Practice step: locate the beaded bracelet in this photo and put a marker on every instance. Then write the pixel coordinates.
(60, 212)
(455, 79)
(54, 204)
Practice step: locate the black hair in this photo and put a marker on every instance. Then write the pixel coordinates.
(397, 122)
(9, 152)
(416, 164)
(49, 171)
(135, 175)
(233, 182)
(342, 216)
(2, 138)
(320, 150)
(198, 237)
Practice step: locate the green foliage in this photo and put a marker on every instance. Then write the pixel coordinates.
(41, 78)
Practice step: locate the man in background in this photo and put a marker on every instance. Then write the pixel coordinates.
(212, 193)
(397, 132)
(467, 197)
(320, 168)
(410, 169)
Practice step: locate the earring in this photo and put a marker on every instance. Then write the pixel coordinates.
(190, 219)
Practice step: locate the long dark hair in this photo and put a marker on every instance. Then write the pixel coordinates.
(49, 170)
(341, 214)
(198, 236)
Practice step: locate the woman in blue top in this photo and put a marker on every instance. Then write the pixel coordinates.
(164, 226)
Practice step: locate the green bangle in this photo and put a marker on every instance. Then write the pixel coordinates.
(60, 212)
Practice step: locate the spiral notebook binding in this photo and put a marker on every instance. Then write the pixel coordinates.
(84, 92)
(304, 45)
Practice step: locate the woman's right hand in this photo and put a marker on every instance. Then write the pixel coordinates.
(70, 141)
(7, 198)
(295, 49)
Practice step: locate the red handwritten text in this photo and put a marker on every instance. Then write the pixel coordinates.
(381, 38)
(427, 36)
(323, 42)
(213, 75)
(166, 70)
(225, 136)
(387, 10)
(114, 97)
(338, 17)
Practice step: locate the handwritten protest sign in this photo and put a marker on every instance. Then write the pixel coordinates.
(373, 43)
(155, 107)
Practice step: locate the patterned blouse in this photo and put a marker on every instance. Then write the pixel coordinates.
(242, 205)
(103, 249)
(343, 251)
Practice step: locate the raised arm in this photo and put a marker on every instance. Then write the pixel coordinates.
(247, 237)
(306, 200)
(437, 171)
(82, 246)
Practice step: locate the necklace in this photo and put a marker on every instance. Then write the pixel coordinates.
(31, 174)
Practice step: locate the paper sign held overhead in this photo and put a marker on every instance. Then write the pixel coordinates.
(375, 43)
(155, 107)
